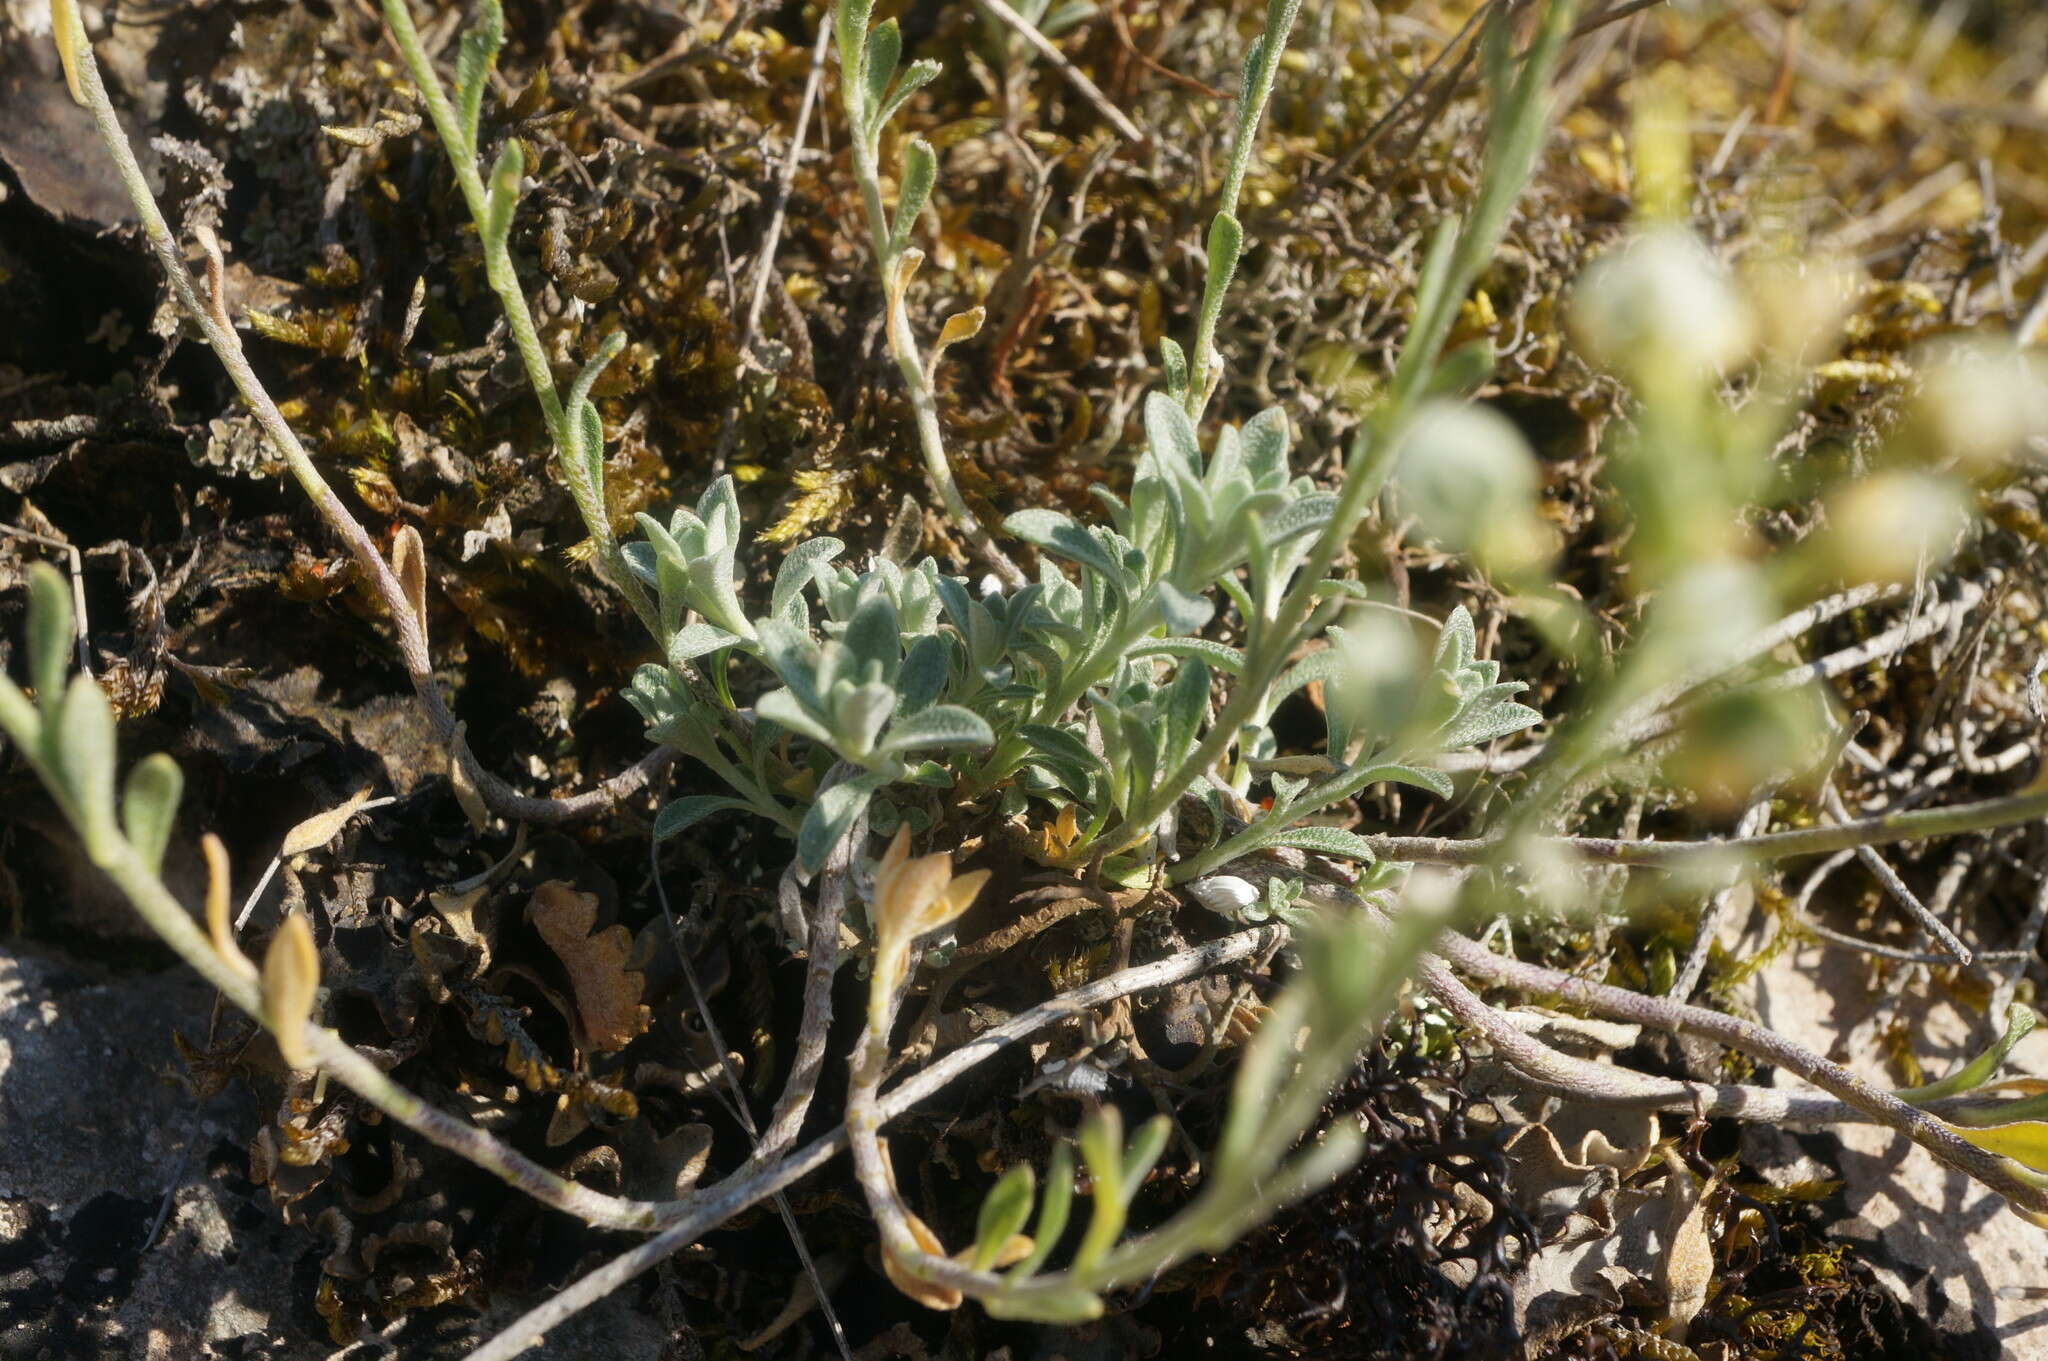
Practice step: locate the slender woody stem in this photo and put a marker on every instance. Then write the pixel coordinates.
(894, 270)
(1932, 1134)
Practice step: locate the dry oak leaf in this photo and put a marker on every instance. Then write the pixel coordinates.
(608, 1008)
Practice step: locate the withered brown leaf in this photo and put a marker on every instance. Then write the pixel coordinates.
(608, 1008)
(318, 830)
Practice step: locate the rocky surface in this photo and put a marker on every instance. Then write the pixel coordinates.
(128, 1225)
(1976, 1271)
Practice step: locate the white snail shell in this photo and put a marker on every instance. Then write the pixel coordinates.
(1224, 894)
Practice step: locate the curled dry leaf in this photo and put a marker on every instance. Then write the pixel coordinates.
(318, 830)
(608, 1008)
(218, 924)
(926, 1293)
(409, 565)
(458, 909)
(1688, 1266)
(961, 326)
(467, 795)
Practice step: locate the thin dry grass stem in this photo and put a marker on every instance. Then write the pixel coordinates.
(1917, 824)
(1073, 75)
(771, 239)
(2026, 945)
(1895, 887)
(75, 563)
(1658, 713)
(231, 974)
(1754, 820)
(802, 1082)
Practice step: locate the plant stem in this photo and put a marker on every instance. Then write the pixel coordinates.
(1251, 108)
(169, 919)
(1914, 824)
(503, 278)
(226, 345)
(1510, 158)
(924, 407)
(1996, 1172)
(713, 1206)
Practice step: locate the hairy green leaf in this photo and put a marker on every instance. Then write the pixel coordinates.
(1057, 534)
(501, 195)
(1223, 657)
(1332, 841)
(149, 806)
(941, 725)
(834, 812)
(678, 814)
(78, 747)
(920, 172)
(885, 49)
(473, 62)
(1003, 1213)
(49, 635)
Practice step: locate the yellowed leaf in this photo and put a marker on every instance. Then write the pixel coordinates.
(608, 1008)
(1015, 1249)
(926, 1293)
(318, 830)
(65, 27)
(962, 326)
(218, 924)
(2024, 1141)
(291, 978)
(409, 564)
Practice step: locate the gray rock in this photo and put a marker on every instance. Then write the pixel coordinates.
(1966, 1263)
(100, 1144)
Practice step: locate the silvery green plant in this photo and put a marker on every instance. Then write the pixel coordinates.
(1091, 690)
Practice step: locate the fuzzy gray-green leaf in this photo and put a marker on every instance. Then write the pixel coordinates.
(149, 806)
(1003, 1212)
(830, 816)
(49, 634)
(698, 639)
(678, 814)
(501, 195)
(1223, 657)
(941, 725)
(785, 710)
(795, 574)
(1174, 362)
(1170, 437)
(1060, 536)
(916, 76)
(1332, 841)
(885, 49)
(78, 746)
(473, 62)
(920, 172)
